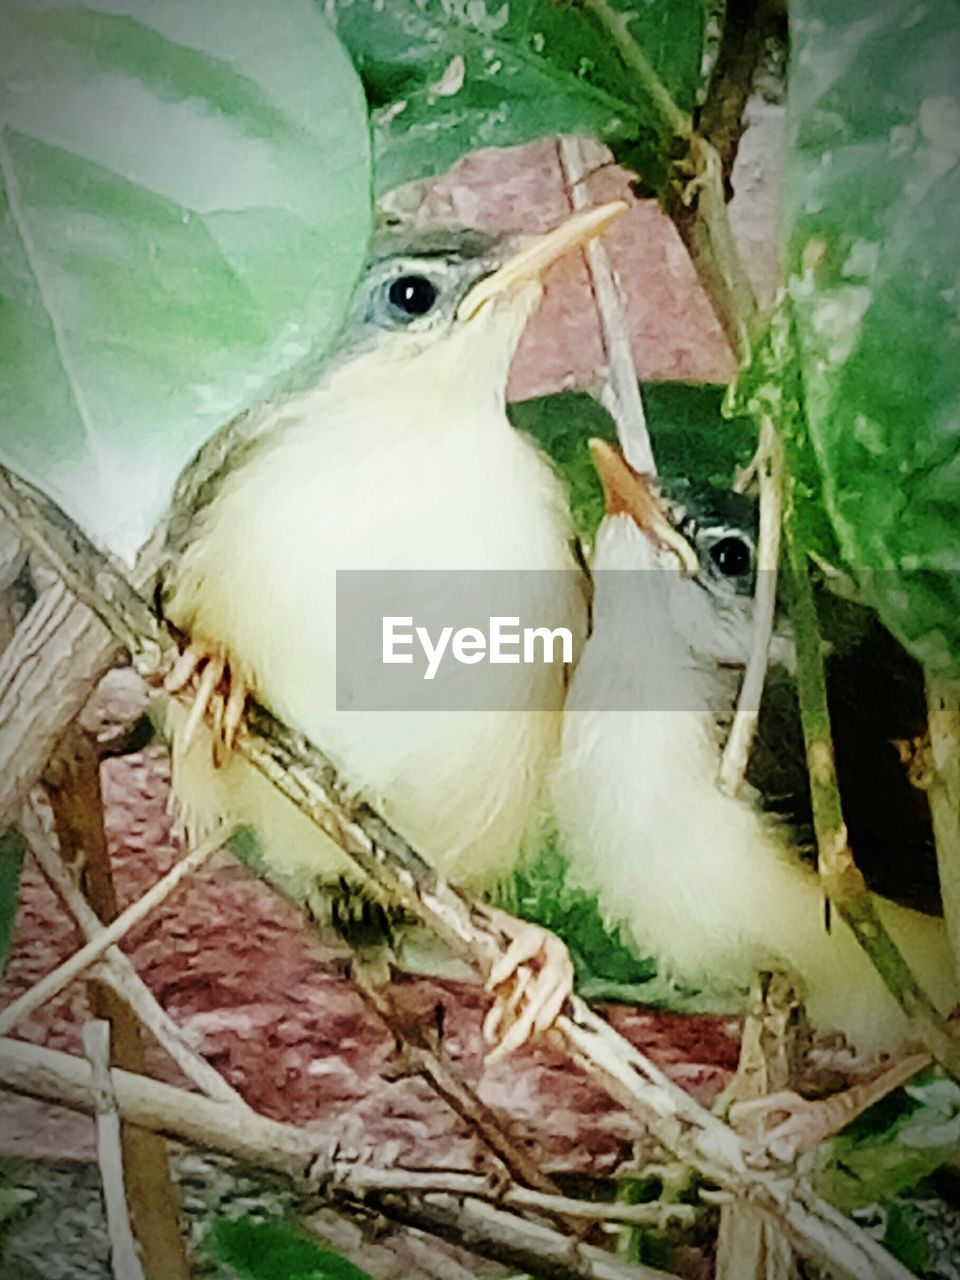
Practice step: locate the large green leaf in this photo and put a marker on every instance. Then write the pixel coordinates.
(183, 210)
(873, 189)
(449, 76)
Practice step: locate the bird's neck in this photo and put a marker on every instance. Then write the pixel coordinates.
(642, 655)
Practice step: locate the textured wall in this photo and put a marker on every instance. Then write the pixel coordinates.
(674, 332)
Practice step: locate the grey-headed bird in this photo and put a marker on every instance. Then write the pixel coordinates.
(396, 454)
(709, 884)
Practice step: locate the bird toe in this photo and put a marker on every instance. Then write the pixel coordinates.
(531, 982)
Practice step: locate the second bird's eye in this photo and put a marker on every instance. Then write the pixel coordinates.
(732, 556)
(412, 295)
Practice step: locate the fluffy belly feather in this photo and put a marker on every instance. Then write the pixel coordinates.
(258, 582)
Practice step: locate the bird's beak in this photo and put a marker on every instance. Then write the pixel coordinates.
(627, 491)
(530, 262)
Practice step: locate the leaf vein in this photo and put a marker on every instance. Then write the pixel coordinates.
(32, 255)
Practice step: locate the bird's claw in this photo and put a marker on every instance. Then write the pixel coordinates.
(806, 1122)
(220, 689)
(802, 1125)
(531, 981)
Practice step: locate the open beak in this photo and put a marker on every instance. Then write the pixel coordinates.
(627, 491)
(530, 262)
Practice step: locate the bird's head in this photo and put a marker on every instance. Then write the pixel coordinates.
(699, 554)
(450, 304)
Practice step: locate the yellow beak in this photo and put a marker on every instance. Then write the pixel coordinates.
(530, 262)
(627, 491)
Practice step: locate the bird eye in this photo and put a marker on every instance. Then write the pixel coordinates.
(412, 296)
(732, 556)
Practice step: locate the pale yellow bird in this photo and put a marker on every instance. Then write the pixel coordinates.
(709, 884)
(395, 455)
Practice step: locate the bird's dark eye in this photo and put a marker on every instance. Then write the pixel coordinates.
(412, 296)
(732, 556)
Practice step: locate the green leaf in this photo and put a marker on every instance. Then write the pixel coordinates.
(771, 384)
(11, 865)
(446, 78)
(15, 1202)
(691, 439)
(937, 1121)
(887, 1151)
(539, 891)
(873, 187)
(184, 207)
(905, 1238)
(940, 1094)
(270, 1250)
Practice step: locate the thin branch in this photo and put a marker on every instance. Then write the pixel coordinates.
(696, 203)
(736, 752)
(747, 24)
(620, 392)
(57, 655)
(943, 794)
(363, 1179)
(808, 1122)
(843, 883)
(12, 560)
(123, 1249)
(431, 1061)
(11, 867)
(73, 788)
(520, 1244)
(62, 544)
(616, 24)
(65, 973)
(59, 652)
(695, 195)
(307, 778)
(308, 1160)
(696, 1137)
(751, 1244)
(64, 1079)
(117, 969)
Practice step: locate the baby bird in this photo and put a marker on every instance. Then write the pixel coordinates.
(395, 454)
(708, 883)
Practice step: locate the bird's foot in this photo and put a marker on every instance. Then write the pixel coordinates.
(359, 919)
(220, 689)
(530, 983)
(916, 755)
(803, 1123)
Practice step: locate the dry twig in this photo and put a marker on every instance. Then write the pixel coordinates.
(943, 716)
(115, 968)
(73, 788)
(308, 1161)
(123, 1249)
(751, 1244)
(432, 1062)
(60, 977)
(746, 27)
(736, 752)
(620, 392)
